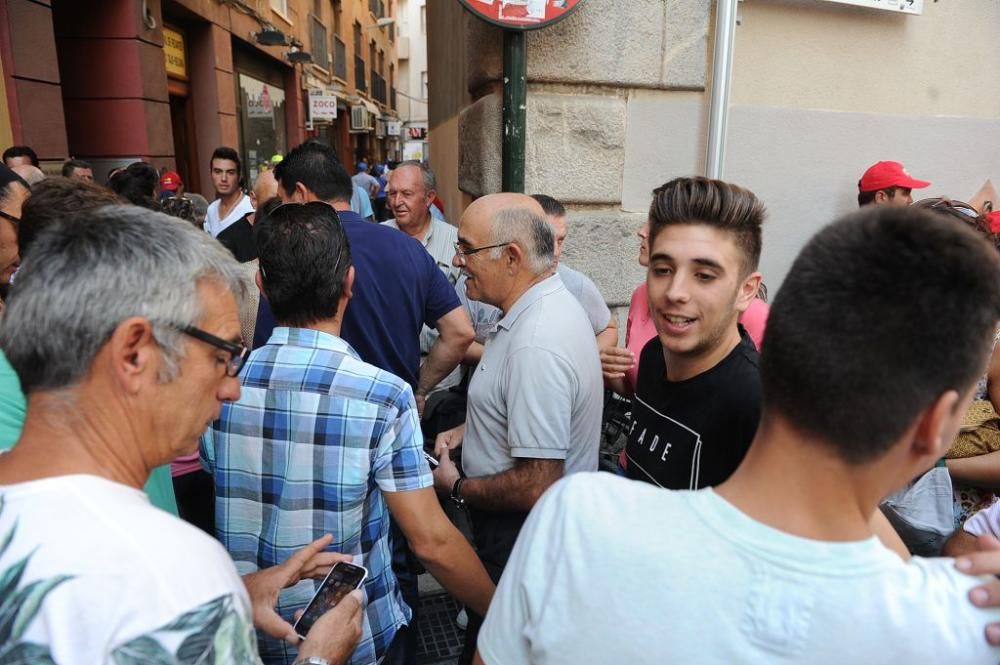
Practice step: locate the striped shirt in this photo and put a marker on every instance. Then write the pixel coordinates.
(314, 440)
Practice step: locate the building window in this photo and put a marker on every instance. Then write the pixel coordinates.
(357, 39)
(280, 6)
(320, 54)
(337, 9)
(339, 58)
(423, 86)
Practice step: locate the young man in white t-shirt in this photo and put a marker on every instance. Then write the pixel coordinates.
(231, 202)
(865, 381)
(122, 373)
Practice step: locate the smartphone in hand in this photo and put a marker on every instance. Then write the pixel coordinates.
(342, 579)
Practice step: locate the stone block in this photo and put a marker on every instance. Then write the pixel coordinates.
(640, 43)
(666, 138)
(603, 245)
(576, 146)
(685, 44)
(604, 41)
(479, 147)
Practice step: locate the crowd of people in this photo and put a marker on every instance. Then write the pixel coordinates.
(206, 405)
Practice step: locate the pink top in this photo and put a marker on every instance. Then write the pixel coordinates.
(185, 464)
(640, 328)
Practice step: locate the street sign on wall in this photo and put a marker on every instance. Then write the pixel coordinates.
(904, 6)
(521, 14)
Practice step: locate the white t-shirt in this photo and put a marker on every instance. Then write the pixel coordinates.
(215, 226)
(608, 570)
(112, 577)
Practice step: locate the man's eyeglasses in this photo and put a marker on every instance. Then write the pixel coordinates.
(238, 353)
(12, 218)
(461, 251)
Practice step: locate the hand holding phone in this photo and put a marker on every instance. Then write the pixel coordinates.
(343, 578)
(430, 459)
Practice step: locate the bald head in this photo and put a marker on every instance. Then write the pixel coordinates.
(265, 187)
(507, 218)
(29, 173)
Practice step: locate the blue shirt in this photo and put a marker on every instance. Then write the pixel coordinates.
(361, 203)
(314, 440)
(397, 289)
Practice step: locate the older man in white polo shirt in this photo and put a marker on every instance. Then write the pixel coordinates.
(535, 399)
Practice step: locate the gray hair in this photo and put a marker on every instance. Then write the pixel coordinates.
(88, 273)
(529, 230)
(430, 182)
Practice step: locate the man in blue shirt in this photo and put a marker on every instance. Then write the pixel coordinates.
(322, 442)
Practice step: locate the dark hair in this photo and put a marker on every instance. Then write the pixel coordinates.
(137, 184)
(266, 208)
(72, 164)
(180, 207)
(316, 166)
(7, 178)
(864, 198)
(20, 151)
(54, 199)
(880, 314)
(304, 256)
(225, 152)
(550, 205)
(714, 203)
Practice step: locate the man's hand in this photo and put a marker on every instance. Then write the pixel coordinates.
(265, 585)
(986, 561)
(448, 440)
(615, 361)
(336, 633)
(445, 474)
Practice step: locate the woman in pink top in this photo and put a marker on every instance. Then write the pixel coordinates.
(621, 370)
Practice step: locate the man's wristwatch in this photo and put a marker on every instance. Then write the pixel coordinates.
(456, 492)
(312, 660)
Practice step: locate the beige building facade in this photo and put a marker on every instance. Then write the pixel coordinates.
(619, 96)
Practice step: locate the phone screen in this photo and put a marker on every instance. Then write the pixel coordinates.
(342, 579)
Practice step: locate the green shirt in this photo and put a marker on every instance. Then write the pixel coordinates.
(159, 487)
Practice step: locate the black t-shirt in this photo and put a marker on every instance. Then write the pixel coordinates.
(238, 239)
(694, 433)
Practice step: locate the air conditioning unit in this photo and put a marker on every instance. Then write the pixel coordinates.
(360, 119)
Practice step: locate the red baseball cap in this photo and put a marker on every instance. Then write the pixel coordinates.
(883, 175)
(170, 181)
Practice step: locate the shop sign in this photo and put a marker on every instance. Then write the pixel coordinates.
(260, 106)
(416, 133)
(393, 128)
(322, 107)
(904, 6)
(521, 14)
(173, 52)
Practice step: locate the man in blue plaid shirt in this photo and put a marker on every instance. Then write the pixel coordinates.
(321, 442)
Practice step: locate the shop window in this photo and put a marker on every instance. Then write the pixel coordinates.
(262, 122)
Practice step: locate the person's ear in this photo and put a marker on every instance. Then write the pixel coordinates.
(301, 193)
(513, 257)
(881, 196)
(937, 426)
(133, 353)
(348, 284)
(748, 291)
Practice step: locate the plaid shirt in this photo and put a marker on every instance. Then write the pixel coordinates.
(315, 438)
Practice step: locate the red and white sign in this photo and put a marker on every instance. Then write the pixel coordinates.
(322, 107)
(521, 14)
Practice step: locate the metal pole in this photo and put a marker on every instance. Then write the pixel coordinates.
(515, 98)
(722, 73)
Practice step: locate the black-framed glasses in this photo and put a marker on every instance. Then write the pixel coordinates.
(238, 353)
(462, 252)
(11, 218)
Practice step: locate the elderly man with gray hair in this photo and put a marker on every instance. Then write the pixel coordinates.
(534, 410)
(123, 328)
